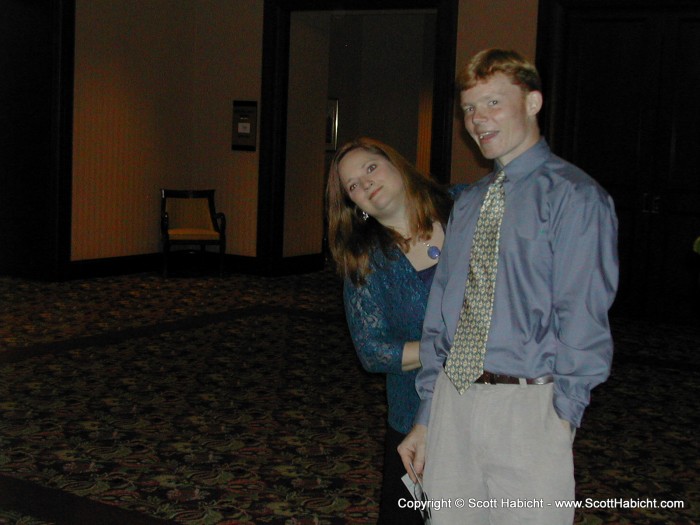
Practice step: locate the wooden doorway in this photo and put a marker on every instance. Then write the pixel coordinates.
(273, 123)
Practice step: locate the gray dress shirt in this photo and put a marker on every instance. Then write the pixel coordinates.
(557, 278)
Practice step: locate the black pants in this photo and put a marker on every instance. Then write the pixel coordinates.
(393, 488)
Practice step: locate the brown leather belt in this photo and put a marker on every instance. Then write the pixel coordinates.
(488, 378)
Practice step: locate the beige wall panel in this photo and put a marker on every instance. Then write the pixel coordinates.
(131, 122)
(496, 23)
(306, 121)
(228, 67)
(154, 85)
(425, 98)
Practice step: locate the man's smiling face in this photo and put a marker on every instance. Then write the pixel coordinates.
(501, 117)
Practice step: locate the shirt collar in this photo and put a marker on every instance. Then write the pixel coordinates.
(525, 163)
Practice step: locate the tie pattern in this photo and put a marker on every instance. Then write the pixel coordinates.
(465, 363)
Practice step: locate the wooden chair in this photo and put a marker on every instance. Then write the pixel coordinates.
(189, 217)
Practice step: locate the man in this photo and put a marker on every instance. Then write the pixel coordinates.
(516, 332)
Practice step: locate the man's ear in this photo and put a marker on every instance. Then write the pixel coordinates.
(533, 101)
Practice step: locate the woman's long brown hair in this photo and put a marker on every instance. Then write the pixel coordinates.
(352, 239)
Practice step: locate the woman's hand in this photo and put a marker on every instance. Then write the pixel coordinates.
(410, 360)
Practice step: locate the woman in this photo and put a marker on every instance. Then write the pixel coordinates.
(385, 228)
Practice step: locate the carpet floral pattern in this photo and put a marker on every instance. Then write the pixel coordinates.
(240, 400)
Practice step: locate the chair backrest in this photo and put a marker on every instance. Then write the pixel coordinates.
(189, 208)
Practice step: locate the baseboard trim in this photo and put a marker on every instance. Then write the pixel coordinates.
(109, 266)
(232, 264)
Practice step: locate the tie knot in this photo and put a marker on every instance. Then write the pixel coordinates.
(500, 177)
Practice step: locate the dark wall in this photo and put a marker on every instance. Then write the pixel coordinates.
(621, 77)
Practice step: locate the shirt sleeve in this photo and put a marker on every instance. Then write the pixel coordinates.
(377, 349)
(584, 283)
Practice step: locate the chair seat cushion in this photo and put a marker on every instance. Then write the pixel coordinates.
(195, 234)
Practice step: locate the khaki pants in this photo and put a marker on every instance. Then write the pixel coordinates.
(498, 455)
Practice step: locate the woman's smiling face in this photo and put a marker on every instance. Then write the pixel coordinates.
(374, 184)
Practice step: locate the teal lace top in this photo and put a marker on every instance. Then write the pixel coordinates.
(384, 314)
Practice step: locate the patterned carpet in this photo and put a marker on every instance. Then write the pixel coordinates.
(239, 400)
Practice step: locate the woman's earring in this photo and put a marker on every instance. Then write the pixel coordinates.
(361, 214)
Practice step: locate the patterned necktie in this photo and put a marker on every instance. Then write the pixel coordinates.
(465, 363)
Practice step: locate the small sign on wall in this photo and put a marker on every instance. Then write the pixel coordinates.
(245, 125)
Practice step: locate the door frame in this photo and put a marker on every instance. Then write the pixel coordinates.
(273, 113)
